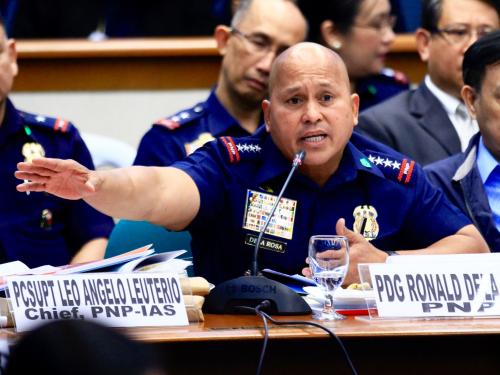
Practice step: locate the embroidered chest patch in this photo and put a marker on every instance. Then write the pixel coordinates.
(257, 208)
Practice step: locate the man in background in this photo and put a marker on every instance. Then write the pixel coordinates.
(431, 122)
(259, 31)
(36, 228)
(471, 179)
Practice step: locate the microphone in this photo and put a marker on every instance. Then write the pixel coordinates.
(297, 162)
(250, 291)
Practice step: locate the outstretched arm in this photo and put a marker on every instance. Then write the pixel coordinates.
(163, 195)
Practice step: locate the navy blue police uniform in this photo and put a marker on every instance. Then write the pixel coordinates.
(379, 87)
(380, 193)
(38, 228)
(173, 138)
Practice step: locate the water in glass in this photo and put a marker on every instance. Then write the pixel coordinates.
(329, 262)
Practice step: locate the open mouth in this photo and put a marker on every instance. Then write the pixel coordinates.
(314, 138)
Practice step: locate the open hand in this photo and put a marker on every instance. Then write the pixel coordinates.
(63, 178)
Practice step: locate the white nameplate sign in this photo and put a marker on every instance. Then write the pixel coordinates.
(436, 290)
(118, 300)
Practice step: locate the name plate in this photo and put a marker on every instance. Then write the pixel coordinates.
(436, 290)
(118, 300)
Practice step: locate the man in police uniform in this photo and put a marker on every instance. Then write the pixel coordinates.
(259, 31)
(37, 228)
(223, 192)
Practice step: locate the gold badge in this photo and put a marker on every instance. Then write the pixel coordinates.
(365, 221)
(197, 143)
(46, 219)
(32, 150)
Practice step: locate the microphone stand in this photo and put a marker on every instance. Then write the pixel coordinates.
(249, 291)
(297, 161)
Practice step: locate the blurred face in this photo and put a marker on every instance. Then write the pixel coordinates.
(8, 66)
(365, 47)
(485, 107)
(444, 51)
(311, 108)
(268, 28)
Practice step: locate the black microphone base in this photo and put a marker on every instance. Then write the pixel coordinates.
(249, 291)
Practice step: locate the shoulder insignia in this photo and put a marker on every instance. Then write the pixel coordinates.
(169, 124)
(181, 118)
(232, 150)
(56, 124)
(61, 125)
(240, 149)
(400, 170)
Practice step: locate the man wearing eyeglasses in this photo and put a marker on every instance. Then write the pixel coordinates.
(431, 122)
(471, 179)
(260, 30)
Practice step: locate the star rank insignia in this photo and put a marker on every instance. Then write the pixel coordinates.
(239, 150)
(401, 169)
(245, 147)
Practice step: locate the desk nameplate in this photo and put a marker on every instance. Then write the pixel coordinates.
(436, 290)
(119, 300)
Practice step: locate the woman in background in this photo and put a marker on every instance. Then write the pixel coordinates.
(361, 32)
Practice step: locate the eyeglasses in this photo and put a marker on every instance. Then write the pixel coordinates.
(386, 21)
(461, 34)
(259, 44)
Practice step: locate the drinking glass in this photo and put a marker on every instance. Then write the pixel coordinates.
(329, 262)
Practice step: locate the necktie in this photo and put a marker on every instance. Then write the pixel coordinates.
(492, 187)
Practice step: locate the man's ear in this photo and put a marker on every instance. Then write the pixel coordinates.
(12, 55)
(266, 108)
(330, 35)
(221, 35)
(423, 39)
(469, 97)
(355, 107)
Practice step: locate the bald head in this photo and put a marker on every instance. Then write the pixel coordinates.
(309, 56)
(311, 108)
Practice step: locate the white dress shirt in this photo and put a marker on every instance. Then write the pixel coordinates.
(464, 125)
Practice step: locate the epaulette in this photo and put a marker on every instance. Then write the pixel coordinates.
(56, 124)
(181, 118)
(393, 168)
(240, 149)
(395, 75)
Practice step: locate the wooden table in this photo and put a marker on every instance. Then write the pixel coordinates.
(227, 344)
